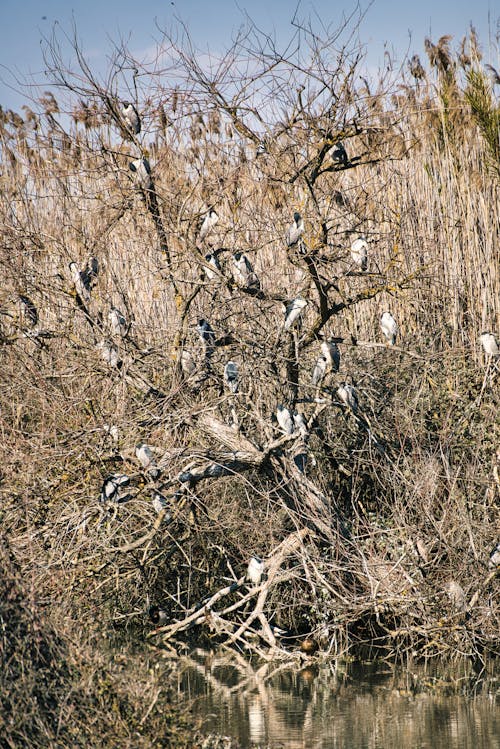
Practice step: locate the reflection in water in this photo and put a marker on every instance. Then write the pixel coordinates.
(339, 705)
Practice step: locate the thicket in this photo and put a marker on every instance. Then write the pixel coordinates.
(375, 522)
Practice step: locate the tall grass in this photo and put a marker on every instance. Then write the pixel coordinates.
(409, 511)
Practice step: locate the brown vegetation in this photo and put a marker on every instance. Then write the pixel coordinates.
(384, 537)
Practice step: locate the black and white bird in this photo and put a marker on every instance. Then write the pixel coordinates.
(141, 170)
(255, 570)
(231, 376)
(494, 560)
(331, 352)
(157, 615)
(261, 149)
(299, 424)
(319, 371)
(159, 502)
(80, 282)
(243, 273)
(359, 252)
(131, 117)
(109, 354)
(339, 154)
(285, 419)
(293, 311)
(348, 396)
(29, 311)
(118, 323)
(489, 344)
(207, 335)
(389, 327)
(113, 488)
(295, 230)
(146, 458)
(212, 268)
(209, 221)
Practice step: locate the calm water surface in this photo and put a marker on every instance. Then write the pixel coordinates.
(341, 705)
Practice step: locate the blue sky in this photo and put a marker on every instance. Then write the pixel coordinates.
(402, 26)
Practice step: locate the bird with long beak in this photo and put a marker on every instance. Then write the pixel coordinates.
(389, 327)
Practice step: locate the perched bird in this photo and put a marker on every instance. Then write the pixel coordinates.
(112, 489)
(188, 364)
(80, 282)
(112, 431)
(359, 252)
(261, 149)
(489, 344)
(110, 354)
(299, 424)
(255, 570)
(285, 419)
(158, 616)
(389, 327)
(293, 311)
(331, 352)
(320, 370)
(231, 376)
(494, 560)
(119, 327)
(30, 312)
(295, 230)
(212, 263)
(339, 154)
(159, 502)
(207, 335)
(348, 395)
(243, 273)
(146, 458)
(131, 117)
(209, 221)
(142, 173)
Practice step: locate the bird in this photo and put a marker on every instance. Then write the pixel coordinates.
(359, 252)
(331, 352)
(494, 560)
(255, 570)
(243, 273)
(295, 230)
(339, 154)
(209, 221)
(80, 282)
(112, 488)
(261, 149)
(142, 172)
(110, 354)
(145, 456)
(299, 424)
(29, 311)
(131, 117)
(293, 311)
(348, 396)
(159, 502)
(119, 327)
(319, 371)
(285, 420)
(188, 363)
(212, 263)
(231, 376)
(207, 335)
(489, 343)
(157, 615)
(389, 327)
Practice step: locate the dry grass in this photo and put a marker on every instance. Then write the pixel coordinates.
(407, 513)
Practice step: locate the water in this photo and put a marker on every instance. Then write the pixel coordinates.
(341, 705)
